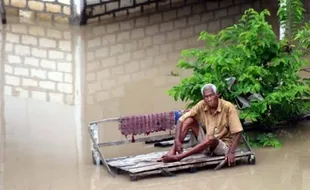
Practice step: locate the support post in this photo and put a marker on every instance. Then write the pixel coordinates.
(94, 131)
(2, 84)
(78, 12)
(3, 12)
(78, 85)
(97, 155)
(2, 121)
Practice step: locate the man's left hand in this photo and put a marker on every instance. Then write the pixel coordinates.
(231, 159)
(171, 158)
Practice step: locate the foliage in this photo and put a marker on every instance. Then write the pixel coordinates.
(264, 140)
(303, 37)
(291, 16)
(250, 51)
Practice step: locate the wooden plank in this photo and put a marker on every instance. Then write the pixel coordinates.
(114, 161)
(149, 162)
(149, 159)
(139, 165)
(119, 161)
(142, 158)
(154, 162)
(138, 158)
(159, 171)
(159, 153)
(189, 160)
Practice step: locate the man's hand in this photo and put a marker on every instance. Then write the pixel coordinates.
(178, 147)
(231, 159)
(231, 156)
(171, 158)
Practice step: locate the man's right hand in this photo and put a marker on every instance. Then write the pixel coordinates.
(178, 147)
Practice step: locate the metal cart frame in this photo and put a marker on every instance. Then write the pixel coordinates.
(99, 159)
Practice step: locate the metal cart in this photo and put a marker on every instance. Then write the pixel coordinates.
(146, 164)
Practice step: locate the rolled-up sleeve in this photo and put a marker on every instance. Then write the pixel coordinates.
(234, 122)
(191, 113)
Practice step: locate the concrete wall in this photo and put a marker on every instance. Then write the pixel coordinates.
(123, 54)
(39, 60)
(55, 10)
(60, 10)
(38, 63)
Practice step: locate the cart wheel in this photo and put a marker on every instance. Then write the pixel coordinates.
(133, 178)
(252, 160)
(118, 171)
(192, 170)
(3, 20)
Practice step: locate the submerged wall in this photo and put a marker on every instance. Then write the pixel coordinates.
(139, 53)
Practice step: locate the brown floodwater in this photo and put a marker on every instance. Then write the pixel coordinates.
(55, 79)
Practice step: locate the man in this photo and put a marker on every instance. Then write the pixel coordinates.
(217, 118)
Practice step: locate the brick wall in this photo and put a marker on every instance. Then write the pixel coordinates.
(60, 10)
(38, 62)
(56, 10)
(121, 54)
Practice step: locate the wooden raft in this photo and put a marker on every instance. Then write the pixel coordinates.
(146, 164)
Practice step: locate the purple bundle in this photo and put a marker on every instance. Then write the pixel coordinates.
(149, 123)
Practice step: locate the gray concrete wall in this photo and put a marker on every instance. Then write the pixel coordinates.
(121, 53)
(60, 10)
(38, 62)
(51, 10)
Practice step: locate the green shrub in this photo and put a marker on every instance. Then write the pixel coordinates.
(263, 140)
(250, 51)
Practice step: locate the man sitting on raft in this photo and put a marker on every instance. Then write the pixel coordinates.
(215, 125)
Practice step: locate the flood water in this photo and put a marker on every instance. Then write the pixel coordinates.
(55, 79)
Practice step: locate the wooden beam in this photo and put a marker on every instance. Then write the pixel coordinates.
(160, 171)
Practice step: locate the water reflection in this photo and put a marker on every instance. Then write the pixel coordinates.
(39, 140)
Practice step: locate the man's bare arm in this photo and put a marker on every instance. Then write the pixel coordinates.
(178, 131)
(189, 113)
(231, 152)
(209, 140)
(235, 143)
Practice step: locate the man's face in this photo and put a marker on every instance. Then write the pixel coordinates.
(210, 98)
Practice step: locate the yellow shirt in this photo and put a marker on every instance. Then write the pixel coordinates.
(224, 123)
